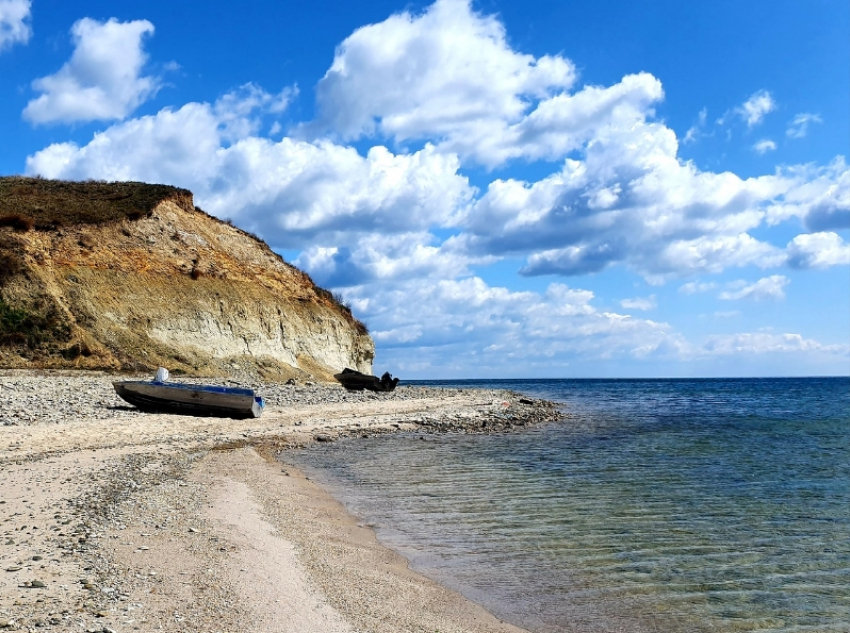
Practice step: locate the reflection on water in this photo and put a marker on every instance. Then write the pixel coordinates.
(661, 506)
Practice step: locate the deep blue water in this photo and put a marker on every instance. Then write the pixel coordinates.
(657, 505)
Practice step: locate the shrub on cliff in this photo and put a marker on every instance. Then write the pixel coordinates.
(26, 328)
(17, 221)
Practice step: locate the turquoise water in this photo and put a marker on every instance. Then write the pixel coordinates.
(659, 505)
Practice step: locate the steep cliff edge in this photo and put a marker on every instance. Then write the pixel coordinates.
(129, 276)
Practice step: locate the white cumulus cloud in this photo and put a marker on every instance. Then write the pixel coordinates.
(473, 326)
(441, 72)
(102, 81)
(746, 343)
(632, 201)
(449, 76)
(14, 22)
(292, 192)
(754, 109)
(819, 196)
(818, 250)
(772, 287)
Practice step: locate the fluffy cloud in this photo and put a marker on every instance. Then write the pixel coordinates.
(443, 73)
(293, 192)
(754, 109)
(629, 199)
(799, 125)
(764, 146)
(819, 196)
(236, 110)
(818, 250)
(468, 327)
(449, 76)
(493, 327)
(632, 201)
(564, 123)
(14, 22)
(772, 287)
(384, 258)
(102, 80)
(747, 343)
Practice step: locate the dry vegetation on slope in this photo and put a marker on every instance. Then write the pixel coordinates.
(130, 276)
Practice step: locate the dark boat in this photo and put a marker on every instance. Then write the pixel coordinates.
(358, 381)
(201, 400)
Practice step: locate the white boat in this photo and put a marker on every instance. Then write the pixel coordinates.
(200, 400)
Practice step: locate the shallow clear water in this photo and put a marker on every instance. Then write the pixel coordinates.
(659, 505)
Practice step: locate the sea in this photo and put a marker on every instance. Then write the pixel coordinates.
(653, 505)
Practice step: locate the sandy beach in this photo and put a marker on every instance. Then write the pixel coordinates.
(116, 520)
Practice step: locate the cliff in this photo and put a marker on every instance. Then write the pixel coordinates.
(130, 276)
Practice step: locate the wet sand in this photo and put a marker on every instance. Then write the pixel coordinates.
(149, 522)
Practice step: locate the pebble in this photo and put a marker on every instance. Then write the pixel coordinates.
(27, 399)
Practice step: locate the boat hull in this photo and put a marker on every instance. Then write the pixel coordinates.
(358, 381)
(199, 400)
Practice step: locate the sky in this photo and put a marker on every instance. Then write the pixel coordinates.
(587, 188)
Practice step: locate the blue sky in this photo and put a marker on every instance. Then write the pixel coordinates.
(500, 189)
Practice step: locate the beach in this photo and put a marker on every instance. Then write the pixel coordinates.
(117, 520)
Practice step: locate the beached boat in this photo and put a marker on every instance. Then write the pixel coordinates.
(202, 400)
(358, 381)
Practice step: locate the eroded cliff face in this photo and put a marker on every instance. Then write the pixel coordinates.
(173, 287)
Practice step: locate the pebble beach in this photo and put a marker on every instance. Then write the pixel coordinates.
(112, 519)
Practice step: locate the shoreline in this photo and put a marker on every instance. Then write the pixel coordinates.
(162, 522)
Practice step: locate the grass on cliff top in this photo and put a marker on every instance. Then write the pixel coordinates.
(27, 203)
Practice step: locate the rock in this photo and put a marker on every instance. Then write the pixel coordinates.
(37, 584)
(323, 438)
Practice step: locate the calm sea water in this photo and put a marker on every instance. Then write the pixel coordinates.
(659, 505)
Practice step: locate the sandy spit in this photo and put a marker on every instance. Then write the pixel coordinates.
(154, 522)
